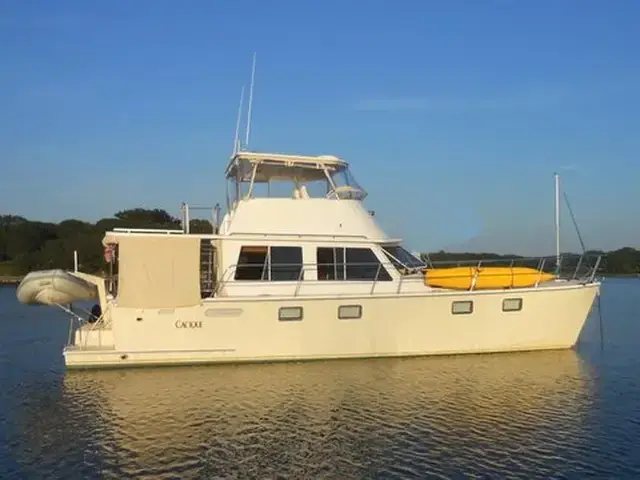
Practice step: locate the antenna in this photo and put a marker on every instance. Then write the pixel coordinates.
(557, 201)
(236, 139)
(253, 73)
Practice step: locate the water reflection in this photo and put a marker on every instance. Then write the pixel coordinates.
(390, 417)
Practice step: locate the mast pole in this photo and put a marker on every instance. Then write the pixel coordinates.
(557, 218)
(236, 147)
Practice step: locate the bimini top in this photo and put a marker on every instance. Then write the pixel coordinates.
(279, 167)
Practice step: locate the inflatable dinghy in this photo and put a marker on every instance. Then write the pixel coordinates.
(52, 287)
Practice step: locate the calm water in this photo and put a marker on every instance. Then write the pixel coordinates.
(571, 414)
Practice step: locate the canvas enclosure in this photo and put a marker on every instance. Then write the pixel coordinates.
(158, 271)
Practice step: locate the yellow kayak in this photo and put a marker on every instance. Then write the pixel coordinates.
(461, 278)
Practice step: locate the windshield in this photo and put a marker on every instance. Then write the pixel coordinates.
(401, 258)
(346, 186)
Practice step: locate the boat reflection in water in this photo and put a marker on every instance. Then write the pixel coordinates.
(344, 418)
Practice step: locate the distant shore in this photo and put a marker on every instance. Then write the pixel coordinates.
(9, 280)
(619, 275)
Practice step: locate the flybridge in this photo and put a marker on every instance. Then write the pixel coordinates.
(278, 166)
(246, 169)
(280, 158)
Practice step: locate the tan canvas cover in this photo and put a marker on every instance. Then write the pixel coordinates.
(158, 272)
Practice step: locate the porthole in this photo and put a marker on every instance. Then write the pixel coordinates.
(288, 314)
(511, 304)
(347, 312)
(462, 307)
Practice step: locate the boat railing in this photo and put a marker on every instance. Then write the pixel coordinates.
(148, 230)
(577, 268)
(78, 321)
(581, 267)
(567, 262)
(185, 219)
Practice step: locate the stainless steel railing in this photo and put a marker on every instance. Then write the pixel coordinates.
(579, 268)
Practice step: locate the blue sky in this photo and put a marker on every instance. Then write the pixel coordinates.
(454, 115)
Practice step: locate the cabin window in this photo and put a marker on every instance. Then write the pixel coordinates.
(349, 264)
(330, 262)
(286, 263)
(462, 307)
(362, 264)
(288, 314)
(252, 263)
(401, 259)
(269, 263)
(511, 304)
(347, 312)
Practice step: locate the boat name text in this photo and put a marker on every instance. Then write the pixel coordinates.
(180, 324)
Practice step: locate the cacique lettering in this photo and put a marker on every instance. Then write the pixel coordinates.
(188, 324)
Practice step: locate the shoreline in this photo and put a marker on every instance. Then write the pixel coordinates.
(10, 280)
(620, 275)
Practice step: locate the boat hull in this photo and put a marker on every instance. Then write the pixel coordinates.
(250, 330)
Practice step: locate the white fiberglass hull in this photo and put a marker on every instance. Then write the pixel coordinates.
(249, 329)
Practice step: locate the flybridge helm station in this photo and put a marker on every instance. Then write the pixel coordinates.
(326, 176)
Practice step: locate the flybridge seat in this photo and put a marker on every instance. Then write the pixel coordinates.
(300, 192)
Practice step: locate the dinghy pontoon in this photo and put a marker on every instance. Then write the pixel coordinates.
(55, 287)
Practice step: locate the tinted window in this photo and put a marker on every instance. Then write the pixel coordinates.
(401, 258)
(269, 263)
(252, 264)
(362, 264)
(330, 262)
(286, 263)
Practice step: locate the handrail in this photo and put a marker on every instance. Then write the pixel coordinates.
(540, 270)
(299, 284)
(338, 236)
(475, 266)
(375, 280)
(479, 263)
(146, 230)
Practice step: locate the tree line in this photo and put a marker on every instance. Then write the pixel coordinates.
(27, 245)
